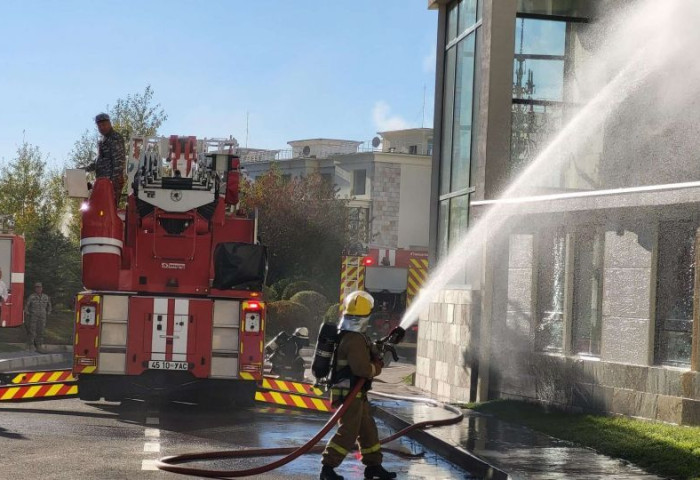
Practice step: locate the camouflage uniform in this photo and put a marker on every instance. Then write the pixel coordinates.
(354, 353)
(37, 307)
(111, 159)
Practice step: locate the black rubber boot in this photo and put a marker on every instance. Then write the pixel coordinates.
(327, 473)
(377, 472)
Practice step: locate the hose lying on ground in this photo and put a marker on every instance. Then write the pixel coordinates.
(169, 464)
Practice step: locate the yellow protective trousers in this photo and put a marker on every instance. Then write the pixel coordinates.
(357, 425)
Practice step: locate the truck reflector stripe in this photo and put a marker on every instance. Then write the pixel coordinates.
(182, 326)
(100, 249)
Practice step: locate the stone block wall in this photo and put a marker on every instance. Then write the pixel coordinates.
(627, 296)
(446, 353)
(386, 198)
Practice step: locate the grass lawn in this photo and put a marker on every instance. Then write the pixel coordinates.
(59, 331)
(665, 450)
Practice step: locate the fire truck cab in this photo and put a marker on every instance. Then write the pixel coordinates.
(173, 302)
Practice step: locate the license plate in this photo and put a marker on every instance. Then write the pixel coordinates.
(165, 365)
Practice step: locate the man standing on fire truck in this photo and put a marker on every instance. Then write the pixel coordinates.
(356, 357)
(111, 156)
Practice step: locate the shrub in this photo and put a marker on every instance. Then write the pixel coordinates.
(299, 286)
(332, 314)
(280, 285)
(288, 316)
(270, 294)
(314, 301)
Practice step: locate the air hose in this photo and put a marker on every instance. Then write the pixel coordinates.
(170, 464)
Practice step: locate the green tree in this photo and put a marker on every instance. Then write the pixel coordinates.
(28, 192)
(303, 222)
(136, 115)
(54, 260)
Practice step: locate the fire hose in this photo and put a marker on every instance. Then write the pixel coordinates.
(170, 464)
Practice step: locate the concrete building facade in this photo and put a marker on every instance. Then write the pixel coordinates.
(587, 297)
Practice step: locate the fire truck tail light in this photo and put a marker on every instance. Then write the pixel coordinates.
(368, 261)
(252, 306)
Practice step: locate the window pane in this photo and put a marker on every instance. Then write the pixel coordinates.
(540, 37)
(551, 260)
(443, 224)
(538, 79)
(531, 128)
(464, 99)
(588, 282)
(447, 121)
(459, 210)
(358, 182)
(674, 293)
(467, 14)
(452, 22)
(564, 8)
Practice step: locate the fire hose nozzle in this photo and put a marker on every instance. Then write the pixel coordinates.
(396, 335)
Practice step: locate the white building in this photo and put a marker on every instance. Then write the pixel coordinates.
(388, 185)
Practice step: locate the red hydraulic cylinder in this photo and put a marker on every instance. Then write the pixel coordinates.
(101, 239)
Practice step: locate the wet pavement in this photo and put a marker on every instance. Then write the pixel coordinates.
(517, 450)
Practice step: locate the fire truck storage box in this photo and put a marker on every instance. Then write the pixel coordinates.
(239, 266)
(76, 183)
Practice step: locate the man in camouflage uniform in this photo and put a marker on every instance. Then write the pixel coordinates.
(356, 357)
(111, 155)
(36, 309)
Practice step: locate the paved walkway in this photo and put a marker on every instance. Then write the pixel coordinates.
(56, 356)
(520, 452)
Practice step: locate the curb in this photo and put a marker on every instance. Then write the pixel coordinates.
(33, 361)
(452, 453)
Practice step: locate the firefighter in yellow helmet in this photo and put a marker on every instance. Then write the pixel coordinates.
(356, 357)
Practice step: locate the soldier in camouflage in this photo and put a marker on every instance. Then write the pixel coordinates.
(111, 156)
(36, 309)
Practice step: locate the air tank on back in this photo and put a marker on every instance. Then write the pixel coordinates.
(101, 238)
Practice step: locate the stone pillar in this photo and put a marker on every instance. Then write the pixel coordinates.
(446, 354)
(628, 295)
(386, 197)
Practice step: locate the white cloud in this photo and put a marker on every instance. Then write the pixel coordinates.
(384, 121)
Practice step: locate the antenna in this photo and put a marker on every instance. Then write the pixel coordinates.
(247, 115)
(422, 119)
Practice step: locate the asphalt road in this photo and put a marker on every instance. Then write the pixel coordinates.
(70, 439)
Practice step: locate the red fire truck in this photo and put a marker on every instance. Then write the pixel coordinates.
(393, 277)
(173, 305)
(12, 267)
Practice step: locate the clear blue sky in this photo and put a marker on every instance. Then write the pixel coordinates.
(302, 69)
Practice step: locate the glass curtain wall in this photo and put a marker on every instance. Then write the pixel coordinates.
(463, 22)
(548, 50)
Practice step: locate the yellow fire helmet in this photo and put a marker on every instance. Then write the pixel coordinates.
(358, 303)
